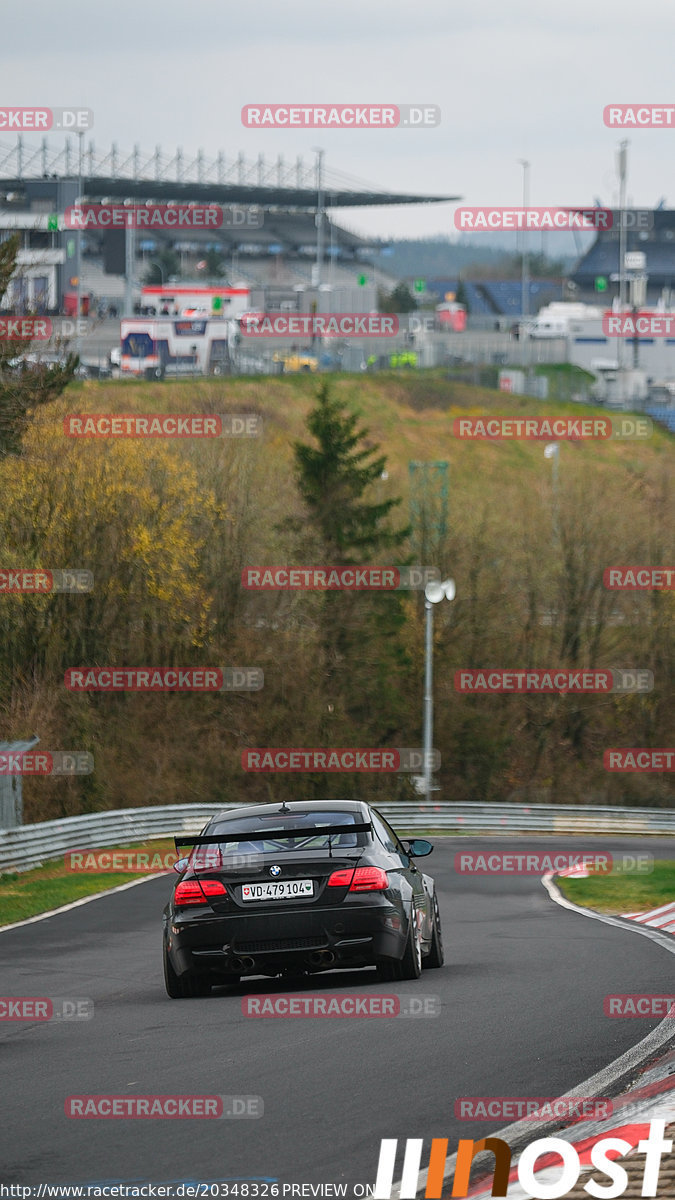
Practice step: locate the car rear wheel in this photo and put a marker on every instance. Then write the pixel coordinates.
(197, 985)
(435, 957)
(410, 966)
(180, 987)
(387, 970)
(172, 983)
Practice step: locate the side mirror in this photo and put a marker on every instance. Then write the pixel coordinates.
(180, 865)
(418, 847)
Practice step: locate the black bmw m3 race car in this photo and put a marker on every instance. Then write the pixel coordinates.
(298, 888)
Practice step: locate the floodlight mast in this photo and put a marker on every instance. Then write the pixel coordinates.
(433, 593)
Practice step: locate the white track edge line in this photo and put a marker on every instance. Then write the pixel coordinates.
(122, 887)
(620, 923)
(651, 1041)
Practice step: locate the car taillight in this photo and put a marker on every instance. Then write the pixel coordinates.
(198, 891)
(363, 879)
(341, 878)
(369, 879)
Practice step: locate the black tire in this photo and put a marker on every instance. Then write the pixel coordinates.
(435, 957)
(197, 985)
(181, 987)
(410, 966)
(387, 970)
(172, 982)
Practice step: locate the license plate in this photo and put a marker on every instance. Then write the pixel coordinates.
(288, 890)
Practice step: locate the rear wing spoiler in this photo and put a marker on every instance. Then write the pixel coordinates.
(256, 835)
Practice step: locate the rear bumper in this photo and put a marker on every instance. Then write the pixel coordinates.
(358, 934)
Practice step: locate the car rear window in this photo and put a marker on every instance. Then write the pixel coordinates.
(306, 833)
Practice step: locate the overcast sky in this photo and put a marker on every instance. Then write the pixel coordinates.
(514, 79)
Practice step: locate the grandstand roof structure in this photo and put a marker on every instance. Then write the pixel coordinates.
(40, 182)
(28, 170)
(657, 243)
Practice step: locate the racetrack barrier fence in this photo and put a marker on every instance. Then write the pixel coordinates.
(29, 846)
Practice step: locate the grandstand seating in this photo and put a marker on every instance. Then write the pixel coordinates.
(663, 413)
(499, 297)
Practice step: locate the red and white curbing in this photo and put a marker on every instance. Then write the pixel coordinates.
(578, 871)
(651, 1099)
(662, 918)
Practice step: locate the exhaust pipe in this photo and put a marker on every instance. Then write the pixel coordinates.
(321, 958)
(241, 964)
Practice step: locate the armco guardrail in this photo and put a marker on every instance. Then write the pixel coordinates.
(30, 845)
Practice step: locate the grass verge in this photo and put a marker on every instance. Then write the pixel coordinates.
(28, 893)
(618, 893)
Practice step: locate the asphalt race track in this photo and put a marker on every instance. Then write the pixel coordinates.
(522, 1015)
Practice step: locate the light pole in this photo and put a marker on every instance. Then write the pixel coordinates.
(525, 262)
(78, 250)
(433, 594)
(332, 245)
(319, 213)
(129, 263)
(525, 267)
(622, 165)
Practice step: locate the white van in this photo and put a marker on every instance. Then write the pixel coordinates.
(553, 321)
